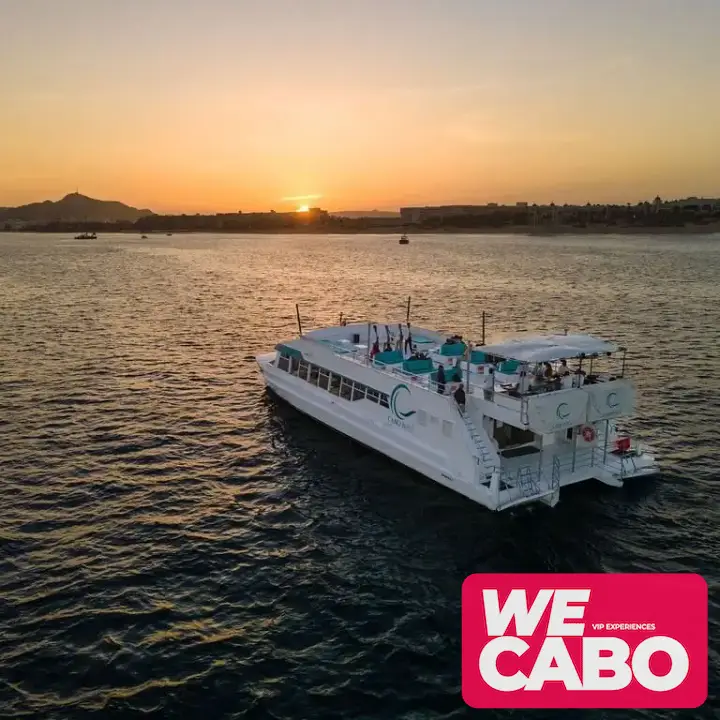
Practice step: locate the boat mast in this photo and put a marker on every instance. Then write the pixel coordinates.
(407, 315)
(297, 312)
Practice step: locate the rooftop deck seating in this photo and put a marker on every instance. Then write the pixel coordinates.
(455, 349)
(388, 357)
(418, 367)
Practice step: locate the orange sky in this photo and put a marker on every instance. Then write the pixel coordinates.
(235, 105)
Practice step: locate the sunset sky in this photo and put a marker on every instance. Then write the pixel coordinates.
(225, 105)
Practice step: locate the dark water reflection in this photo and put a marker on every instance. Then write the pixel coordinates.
(177, 542)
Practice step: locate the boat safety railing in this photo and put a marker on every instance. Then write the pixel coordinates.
(583, 459)
(526, 484)
(423, 381)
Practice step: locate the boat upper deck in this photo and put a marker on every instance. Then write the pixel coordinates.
(540, 382)
(521, 366)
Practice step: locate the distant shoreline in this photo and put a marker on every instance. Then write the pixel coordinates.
(544, 231)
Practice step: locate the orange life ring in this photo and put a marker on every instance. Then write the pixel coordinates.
(588, 433)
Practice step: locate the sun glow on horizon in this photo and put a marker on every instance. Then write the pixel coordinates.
(303, 208)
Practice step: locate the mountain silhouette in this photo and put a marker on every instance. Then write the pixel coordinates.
(74, 208)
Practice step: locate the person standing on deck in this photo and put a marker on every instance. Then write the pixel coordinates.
(408, 340)
(460, 397)
(441, 380)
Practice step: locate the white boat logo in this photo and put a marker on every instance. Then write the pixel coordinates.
(612, 400)
(399, 414)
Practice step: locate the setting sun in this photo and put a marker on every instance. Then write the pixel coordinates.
(303, 208)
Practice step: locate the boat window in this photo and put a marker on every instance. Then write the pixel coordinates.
(373, 395)
(283, 362)
(303, 370)
(422, 417)
(294, 365)
(346, 387)
(359, 391)
(335, 381)
(447, 428)
(313, 376)
(384, 400)
(433, 420)
(323, 379)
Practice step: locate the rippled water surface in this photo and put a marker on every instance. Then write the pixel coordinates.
(175, 541)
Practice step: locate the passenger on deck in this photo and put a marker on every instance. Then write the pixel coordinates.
(460, 397)
(548, 372)
(563, 369)
(441, 380)
(388, 345)
(375, 349)
(408, 340)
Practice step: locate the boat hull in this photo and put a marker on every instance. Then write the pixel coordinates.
(327, 412)
(514, 482)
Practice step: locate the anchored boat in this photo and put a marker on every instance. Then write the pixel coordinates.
(503, 424)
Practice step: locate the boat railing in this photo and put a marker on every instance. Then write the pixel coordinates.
(423, 382)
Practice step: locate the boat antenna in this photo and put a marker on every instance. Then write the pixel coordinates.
(407, 317)
(483, 327)
(297, 312)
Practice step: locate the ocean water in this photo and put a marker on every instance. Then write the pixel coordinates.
(177, 543)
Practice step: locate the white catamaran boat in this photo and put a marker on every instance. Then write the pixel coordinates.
(508, 424)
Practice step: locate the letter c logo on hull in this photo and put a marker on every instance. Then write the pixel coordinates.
(400, 414)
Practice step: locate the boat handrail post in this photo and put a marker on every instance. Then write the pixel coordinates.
(297, 312)
(407, 315)
(495, 485)
(467, 368)
(483, 327)
(367, 350)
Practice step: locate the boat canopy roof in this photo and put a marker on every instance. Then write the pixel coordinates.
(546, 348)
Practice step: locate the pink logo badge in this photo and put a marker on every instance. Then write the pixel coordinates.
(585, 641)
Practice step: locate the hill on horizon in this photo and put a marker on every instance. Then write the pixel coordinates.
(74, 208)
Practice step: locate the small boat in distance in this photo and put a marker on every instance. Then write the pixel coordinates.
(86, 236)
(404, 239)
(505, 424)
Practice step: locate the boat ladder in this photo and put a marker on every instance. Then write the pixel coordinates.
(526, 481)
(485, 455)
